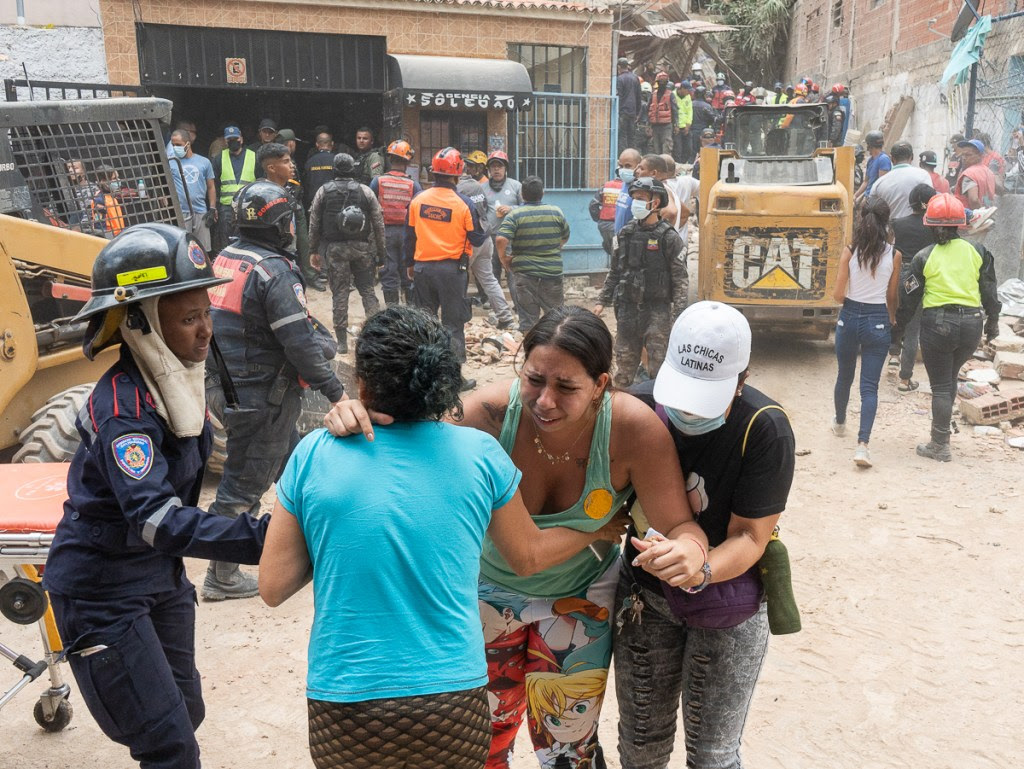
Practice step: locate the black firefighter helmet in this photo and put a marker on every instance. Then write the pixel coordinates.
(144, 261)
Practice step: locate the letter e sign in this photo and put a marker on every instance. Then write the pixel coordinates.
(236, 71)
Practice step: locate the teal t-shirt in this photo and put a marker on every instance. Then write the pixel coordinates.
(395, 529)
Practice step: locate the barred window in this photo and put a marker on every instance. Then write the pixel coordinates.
(552, 68)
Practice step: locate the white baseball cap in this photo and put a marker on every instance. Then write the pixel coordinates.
(707, 351)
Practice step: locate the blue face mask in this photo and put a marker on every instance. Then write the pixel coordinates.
(178, 152)
(689, 424)
(626, 174)
(640, 209)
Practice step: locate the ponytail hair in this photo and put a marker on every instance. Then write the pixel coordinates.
(871, 233)
(405, 360)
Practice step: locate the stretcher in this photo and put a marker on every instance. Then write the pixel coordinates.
(31, 504)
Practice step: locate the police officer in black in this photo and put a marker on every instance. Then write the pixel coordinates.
(319, 167)
(123, 604)
(270, 342)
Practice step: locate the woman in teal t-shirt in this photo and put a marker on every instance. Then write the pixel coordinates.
(391, 532)
(582, 450)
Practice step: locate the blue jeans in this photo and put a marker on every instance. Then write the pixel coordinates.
(949, 336)
(862, 329)
(660, 663)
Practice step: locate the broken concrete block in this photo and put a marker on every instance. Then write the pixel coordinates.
(992, 408)
(1010, 365)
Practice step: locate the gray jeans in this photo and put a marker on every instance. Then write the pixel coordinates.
(660, 664)
(483, 270)
(194, 224)
(535, 297)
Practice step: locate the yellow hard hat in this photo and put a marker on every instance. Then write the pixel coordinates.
(476, 156)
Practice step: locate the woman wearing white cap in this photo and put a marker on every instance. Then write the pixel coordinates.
(703, 645)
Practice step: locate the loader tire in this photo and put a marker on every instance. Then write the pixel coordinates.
(51, 436)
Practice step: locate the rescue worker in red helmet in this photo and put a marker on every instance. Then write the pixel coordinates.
(439, 225)
(954, 281)
(395, 189)
(503, 194)
(123, 603)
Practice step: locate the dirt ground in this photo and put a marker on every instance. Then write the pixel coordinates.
(908, 577)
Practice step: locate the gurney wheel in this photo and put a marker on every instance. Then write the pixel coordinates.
(22, 601)
(61, 718)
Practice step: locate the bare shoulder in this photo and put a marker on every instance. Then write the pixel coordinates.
(485, 408)
(633, 421)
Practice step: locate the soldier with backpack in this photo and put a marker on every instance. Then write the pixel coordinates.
(346, 235)
(647, 283)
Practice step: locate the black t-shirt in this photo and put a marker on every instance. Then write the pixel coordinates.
(318, 171)
(721, 478)
(911, 235)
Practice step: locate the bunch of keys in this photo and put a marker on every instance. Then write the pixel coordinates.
(634, 605)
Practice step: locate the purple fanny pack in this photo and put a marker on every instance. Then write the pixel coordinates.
(721, 604)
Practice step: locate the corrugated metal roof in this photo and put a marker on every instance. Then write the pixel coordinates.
(546, 5)
(678, 29)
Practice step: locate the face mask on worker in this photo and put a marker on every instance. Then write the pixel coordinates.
(641, 209)
(627, 175)
(114, 185)
(496, 185)
(178, 152)
(234, 144)
(690, 424)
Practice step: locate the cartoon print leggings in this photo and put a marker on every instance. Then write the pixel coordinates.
(548, 658)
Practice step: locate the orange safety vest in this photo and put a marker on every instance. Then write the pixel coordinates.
(609, 196)
(442, 220)
(113, 216)
(394, 190)
(660, 111)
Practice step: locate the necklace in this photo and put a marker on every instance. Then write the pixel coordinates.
(557, 459)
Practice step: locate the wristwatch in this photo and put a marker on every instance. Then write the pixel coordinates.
(706, 570)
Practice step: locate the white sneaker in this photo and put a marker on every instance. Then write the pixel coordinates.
(861, 457)
(838, 430)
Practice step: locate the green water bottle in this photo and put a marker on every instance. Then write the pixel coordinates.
(783, 614)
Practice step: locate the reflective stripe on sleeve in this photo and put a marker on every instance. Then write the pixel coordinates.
(288, 319)
(153, 522)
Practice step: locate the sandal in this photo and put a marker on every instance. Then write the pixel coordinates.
(907, 386)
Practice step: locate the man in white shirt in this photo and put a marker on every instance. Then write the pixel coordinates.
(894, 188)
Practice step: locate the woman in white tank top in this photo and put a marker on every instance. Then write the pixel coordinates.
(867, 284)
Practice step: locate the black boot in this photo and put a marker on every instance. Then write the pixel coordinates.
(391, 298)
(341, 335)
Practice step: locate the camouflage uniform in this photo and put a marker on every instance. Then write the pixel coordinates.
(647, 286)
(348, 260)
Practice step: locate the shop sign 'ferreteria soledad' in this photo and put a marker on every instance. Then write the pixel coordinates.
(460, 100)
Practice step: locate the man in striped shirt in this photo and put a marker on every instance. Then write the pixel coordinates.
(535, 232)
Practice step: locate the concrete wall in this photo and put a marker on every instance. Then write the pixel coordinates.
(60, 13)
(886, 49)
(60, 53)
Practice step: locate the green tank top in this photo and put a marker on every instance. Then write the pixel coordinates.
(595, 507)
(951, 275)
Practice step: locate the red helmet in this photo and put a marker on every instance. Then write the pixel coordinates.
(447, 162)
(838, 89)
(945, 211)
(499, 156)
(401, 149)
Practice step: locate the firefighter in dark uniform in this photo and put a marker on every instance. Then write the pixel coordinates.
(647, 283)
(270, 342)
(346, 236)
(395, 189)
(122, 601)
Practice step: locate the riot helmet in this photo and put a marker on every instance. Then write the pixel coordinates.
(344, 166)
(264, 212)
(651, 185)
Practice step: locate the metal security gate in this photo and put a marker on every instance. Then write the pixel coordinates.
(569, 140)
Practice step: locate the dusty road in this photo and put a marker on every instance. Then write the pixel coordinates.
(908, 576)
